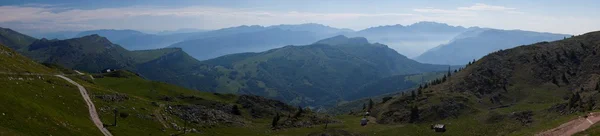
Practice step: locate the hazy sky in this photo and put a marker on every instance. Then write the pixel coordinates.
(558, 16)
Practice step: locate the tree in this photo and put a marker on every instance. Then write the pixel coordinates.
(275, 120)
(564, 79)
(370, 104)
(299, 113)
(414, 114)
(444, 79)
(385, 99)
(364, 106)
(412, 94)
(449, 72)
(235, 110)
(574, 101)
(555, 82)
(597, 86)
(124, 114)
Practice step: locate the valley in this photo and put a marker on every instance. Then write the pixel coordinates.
(299, 68)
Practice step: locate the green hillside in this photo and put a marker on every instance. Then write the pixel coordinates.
(37, 103)
(316, 74)
(89, 53)
(13, 39)
(519, 91)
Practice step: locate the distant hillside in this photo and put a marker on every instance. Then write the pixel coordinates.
(411, 40)
(476, 43)
(135, 40)
(518, 91)
(254, 38)
(13, 39)
(111, 34)
(211, 47)
(314, 74)
(89, 53)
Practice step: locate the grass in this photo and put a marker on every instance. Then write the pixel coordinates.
(44, 105)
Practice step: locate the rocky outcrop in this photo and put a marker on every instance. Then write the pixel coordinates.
(260, 107)
(204, 116)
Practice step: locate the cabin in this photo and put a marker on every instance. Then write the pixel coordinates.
(439, 127)
(108, 70)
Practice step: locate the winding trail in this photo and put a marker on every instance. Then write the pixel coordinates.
(573, 126)
(90, 105)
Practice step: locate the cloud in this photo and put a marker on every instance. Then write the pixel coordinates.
(216, 16)
(485, 7)
(59, 18)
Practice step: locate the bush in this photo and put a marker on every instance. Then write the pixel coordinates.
(385, 99)
(124, 114)
(235, 110)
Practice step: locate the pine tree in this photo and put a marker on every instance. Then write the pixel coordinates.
(414, 114)
(555, 82)
(412, 94)
(275, 120)
(370, 104)
(449, 72)
(299, 113)
(564, 79)
(444, 78)
(364, 106)
(235, 110)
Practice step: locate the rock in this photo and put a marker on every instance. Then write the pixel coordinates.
(199, 114)
(260, 107)
(113, 97)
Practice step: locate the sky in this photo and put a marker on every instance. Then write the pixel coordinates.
(556, 16)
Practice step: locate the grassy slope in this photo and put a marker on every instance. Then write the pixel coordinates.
(141, 56)
(14, 39)
(39, 105)
(528, 88)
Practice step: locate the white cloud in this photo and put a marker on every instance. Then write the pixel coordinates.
(218, 17)
(485, 7)
(56, 18)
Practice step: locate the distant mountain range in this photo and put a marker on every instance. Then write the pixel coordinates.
(477, 42)
(411, 40)
(419, 40)
(254, 38)
(321, 73)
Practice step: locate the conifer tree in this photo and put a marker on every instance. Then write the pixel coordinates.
(370, 104)
(275, 120)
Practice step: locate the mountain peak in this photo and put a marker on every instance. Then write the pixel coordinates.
(343, 40)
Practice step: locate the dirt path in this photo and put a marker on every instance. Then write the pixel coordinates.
(573, 126)
(90, 104)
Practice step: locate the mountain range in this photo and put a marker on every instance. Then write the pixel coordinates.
(411, 40)
(315, 74)
(477, 42)
(423, 41)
